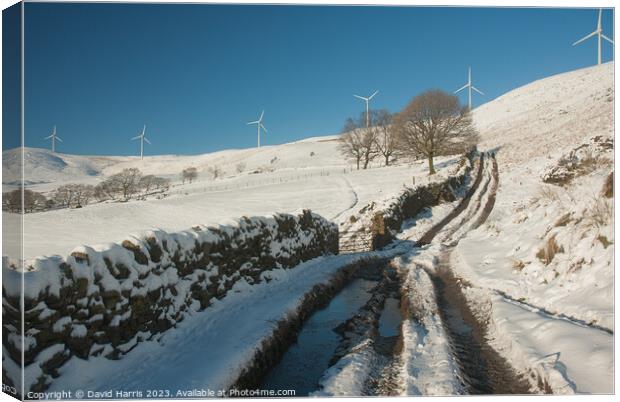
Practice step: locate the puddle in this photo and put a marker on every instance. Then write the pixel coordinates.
(389, 323)
(305, 361)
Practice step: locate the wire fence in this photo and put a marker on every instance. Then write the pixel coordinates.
(258, 181)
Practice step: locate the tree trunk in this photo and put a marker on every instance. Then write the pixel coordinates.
(366, 160)
(431, 167)
(387, 160)
(358, 163)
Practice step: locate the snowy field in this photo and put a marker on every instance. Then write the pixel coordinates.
(549, 314)
(323, 182)
(555, 315)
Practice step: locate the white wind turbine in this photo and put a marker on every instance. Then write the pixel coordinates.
(142, 138)
(367, 106)
(54, 138)
(259, 125)
(469, 87)
(599, 33)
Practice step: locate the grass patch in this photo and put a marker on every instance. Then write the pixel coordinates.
(600, 213)
(604, 241)
(549, 250)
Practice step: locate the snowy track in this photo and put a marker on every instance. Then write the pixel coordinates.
(353, 203)
(449, 339)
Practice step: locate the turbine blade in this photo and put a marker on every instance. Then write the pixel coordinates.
(600, 14)
(49, 136)
(373, 95)
(477, 90)
(261, 116)
(607, 39)
(584, 38)
(253, 122)
(58, 139)
(264, 128)
(147, 141)
(360, 97)
(136, 138)
(461, 88)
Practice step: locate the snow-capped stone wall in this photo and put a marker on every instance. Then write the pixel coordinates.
(388, 221)
(105, 300)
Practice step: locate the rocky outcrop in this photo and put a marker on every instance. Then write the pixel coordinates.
(104, 301)
(582, 160)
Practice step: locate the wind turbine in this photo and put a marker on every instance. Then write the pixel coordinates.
(259, 124)
(54, 138)
(469, 87)
(142, 138)
(367, 107)
(599, 33)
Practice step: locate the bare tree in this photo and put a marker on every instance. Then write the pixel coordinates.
(83, 193)
(124, 184)
(189, 174)
(385, 139)
(350, 146)
(215, 172)
(434, 124)
(8, 202)
(12, 201)
(63, 195)
(103, 191)
(34, 201)
(160, 184)
(150, 184)
(358, 142)
(240, 167)
(147, 183)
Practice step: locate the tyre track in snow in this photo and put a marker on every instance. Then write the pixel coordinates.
(355, 200)
(482, 370)
(462, 206)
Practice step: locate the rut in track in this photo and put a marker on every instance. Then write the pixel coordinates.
(482, 369)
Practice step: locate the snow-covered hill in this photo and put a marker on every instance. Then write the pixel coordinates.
(45, 170)
(41, 166)
(544, 258)
(542, 119)
(309, 174)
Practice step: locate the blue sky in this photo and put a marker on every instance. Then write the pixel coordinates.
(195, 74)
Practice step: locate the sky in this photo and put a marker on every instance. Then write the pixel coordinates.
(196, 74)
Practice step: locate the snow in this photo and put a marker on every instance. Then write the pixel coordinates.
(578, 359)
(323, 183)
(348, 375)
(427, 364)
(173, 362)
(553, 317)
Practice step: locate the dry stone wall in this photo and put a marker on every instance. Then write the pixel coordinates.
(105, 300)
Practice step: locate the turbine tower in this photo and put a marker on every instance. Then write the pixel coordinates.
(367, 107)
(259, 125)
(599, 33)
(54, 138)
(142, 138)
(469, 87)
